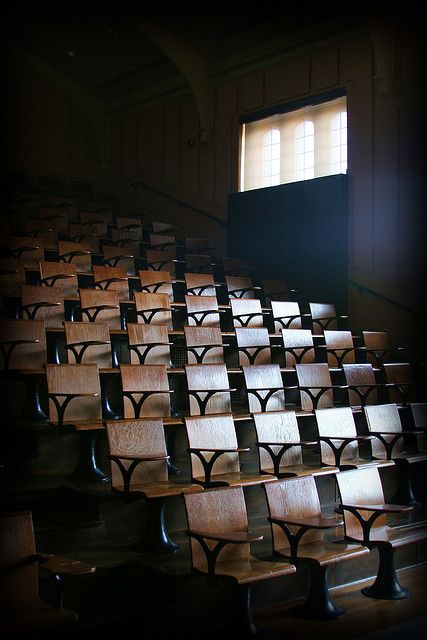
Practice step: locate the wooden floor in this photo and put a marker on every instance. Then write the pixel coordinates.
(363, 618)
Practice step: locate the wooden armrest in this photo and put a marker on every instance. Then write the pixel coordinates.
(89, 343)
(64, 567)
(380, 508)
(290, 444)
(211, 390)
(215, 449)
(102, 307)
(313, 522)
(346, 438)
(238, 537)
(142, 458)
(150, 391)
(74, 395)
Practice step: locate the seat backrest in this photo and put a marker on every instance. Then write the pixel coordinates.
(212, 432)
(148, 344)
(202, 311)
(217, 511)
(80, 338)
(339, 422)
(43, 303)
(198, 263)
(399, 373)
(100, 305)
(295, 499)
(29, 250)
(274, 290)
(338, 343)
(153, 308)
(161, 260)
(323, 316)
(199, 284)
(254, 345)
(359, 374)
(204, 344)
(75, 379)
(278, 426)
(162, 241)
(197, 245)
(376, 342)
(131, 225)
(264, 386)
(23, 344)
(77, 253)
(205, 378)
(233, 266)
(119, 257)
(239, 287)
(286, 315)
(156, 282)
(47, 230)
(60, 274)
(384, 418)
(18, 570)
(360, 486)
(142, 437)
(419, 416)
(149, 385)
(313, 375)
(85, 232)
(12, 275)
(246, 312)
(298, 345)
(112, 279)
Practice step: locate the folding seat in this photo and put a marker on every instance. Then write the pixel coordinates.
(78, 253)
(60, 274)
(208, 388)
(315, 386)
(42, 303)
(324, 316)
(215, 453)
(264, 387)
(74, 393)
(277, 290)
(111, 278)
(419, 417)
(88, 342)
(366, 521)
(281, 452)
(298, 346)
(98, 220)
(200, 284)
(149, 344)
(253, 345)
(232, 266)
(221, 543)
(100, 305)
(340, 443)
(197, 245)
(162, 241)
(198, 263)
(153, 308)
(163, 227)
(87, 233)
(401, 384)
(339, 347)
(47, 230)
(240, 287)
(29, 250)
(145, 390)
(203, 344)
(24, 613)
(362, 384)
(247, 312)
(12, 275)
(125, 238)
(139, 470)
(306, 536)
(287, 315)
(57, 216)
(378, 348)
(156, 282)
(202, 311)
(393, 442)
(162, 260)
(132, 226)
(22, 344)
(119, 257)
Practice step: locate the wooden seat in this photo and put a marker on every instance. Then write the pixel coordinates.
(247, 312)
(274, 289)
(202, 311)
(60, 274)
(138, 458)
(57, 215)
(22, 344)
(119, 257)
(98, 220)
(307, 536)
(198, 263)
(393, 442)
(315, 386)
(12, 275)
(378, 348)
(362, 384)
(197, 245)
(264, 387)
(280, 448)
(99, 305)
(163, 227)
(240, 287)
(366, 521)
(298, 345)
(149, 344)
(23, 611)
(42, 303)
(131, 225)
(200, 284)
(208, 388)
(146, 391)
(233, 266)
(156, 282)
(111, 278)
(162, 260)
(88, 342)
(253, 345)
(87, 233)
(29, 250)
(286, 315)
(340, 443)
(324, 316)
(215, 453)
(47, 230)
(74, 394)
(419, 416)
(221, 549)
(153, 308)
(162, 241)
(401, 384)
(203, 344)
(78, 253)
(339, 347)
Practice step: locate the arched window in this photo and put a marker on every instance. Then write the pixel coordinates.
(304, 150)
(271, 158)
(338, 144)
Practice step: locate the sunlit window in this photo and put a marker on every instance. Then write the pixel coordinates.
(271, 158)
(304, 150)
(339, 142)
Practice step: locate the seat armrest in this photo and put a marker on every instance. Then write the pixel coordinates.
(314, 522)
(236, 537)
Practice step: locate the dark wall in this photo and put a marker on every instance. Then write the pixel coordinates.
(296, 231)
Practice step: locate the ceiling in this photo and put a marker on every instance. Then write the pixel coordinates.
(119, 55)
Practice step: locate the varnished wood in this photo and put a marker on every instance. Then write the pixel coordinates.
(202, 310)
(77, 253)
(198, 263)
(23, 344)
(204, 379)
(79, 379)
(274, 289)
(201, 284)
(204, 344)
(60, 274)
(140, 379)
(264, 386)
(161, 260)
(98, 305)
(253, 345)
(246, 312)
(119, 257)
(88, 342)
(315, 377)
(286, 315)
(87, 233)
(419, 416)
(324, 316)
(156, 282)
(47, 230)
(401, 382)
(153, 308)
(240, 286)
(131, 225)
(151, 342)
(112, 279)
(43, 303)
(12, 275)
(298, 345)
(340, 347)
(361, 376)
(233, 266)
(29, 250)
